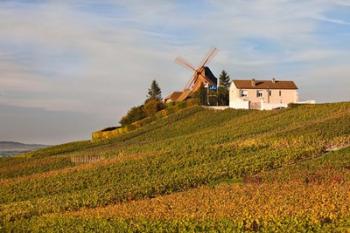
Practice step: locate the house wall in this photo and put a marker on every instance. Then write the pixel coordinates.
(239, 104)
(287, 96)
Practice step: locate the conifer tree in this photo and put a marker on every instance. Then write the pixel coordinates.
(224, 79)
(223, 91)
(154, 91)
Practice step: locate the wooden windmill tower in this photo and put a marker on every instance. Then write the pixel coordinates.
(201, 76)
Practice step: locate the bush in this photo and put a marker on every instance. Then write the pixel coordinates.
(134, 114)
(152, 106)
(193, 102)
(181, 105)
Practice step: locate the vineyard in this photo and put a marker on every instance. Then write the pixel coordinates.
(195, 170)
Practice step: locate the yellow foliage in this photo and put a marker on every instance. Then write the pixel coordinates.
(250, 202)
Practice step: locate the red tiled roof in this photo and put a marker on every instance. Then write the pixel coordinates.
(264, 84)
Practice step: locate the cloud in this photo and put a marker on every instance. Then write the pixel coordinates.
(98, 57)
(330, 20)
(342, 2)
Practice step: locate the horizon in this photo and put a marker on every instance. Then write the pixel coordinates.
(70, 68)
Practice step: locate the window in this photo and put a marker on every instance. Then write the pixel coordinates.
(259, 93)
(280, 93)
(269, 92)
(243, 93)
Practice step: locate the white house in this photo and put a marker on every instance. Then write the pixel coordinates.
(262, 94)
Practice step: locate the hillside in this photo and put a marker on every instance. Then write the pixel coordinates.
(8, 148)
(197, 170)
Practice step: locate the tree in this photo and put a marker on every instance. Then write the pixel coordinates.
(223, 89)
(154, 91)
(134, 114)
(224, 79)
(152, 105)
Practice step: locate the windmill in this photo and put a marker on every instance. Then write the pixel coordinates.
(201, 76)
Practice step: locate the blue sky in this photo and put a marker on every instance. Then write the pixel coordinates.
(70, 67)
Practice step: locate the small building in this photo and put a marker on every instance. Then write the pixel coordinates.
(262, 94)
(173, 97)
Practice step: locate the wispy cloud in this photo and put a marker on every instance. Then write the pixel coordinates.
(98, 57)
(331, 20)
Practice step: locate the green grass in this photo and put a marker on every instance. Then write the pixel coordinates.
(330, 167)
(188, 149)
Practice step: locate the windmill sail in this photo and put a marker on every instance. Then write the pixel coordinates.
(201, 76)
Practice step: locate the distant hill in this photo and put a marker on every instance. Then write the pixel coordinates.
(8, 148)
(196, 170)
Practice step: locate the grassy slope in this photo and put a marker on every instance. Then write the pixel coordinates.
(188, 150)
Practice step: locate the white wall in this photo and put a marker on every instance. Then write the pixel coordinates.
(275, 100)
(239, 104)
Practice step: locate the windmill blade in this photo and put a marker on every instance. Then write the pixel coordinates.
(191, 81)
(201, 78)
(198, 83)
(184, 95)
(209, 56)
(199, 73)
(184, 63)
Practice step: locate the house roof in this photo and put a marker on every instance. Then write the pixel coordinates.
(174, 96)
(264, 84)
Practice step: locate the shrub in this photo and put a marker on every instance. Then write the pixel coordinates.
(181, 105)
(134, 114)
(152, 106)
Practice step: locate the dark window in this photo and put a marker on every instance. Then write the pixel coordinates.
(243, 93)
(280, 93)
(259, 93)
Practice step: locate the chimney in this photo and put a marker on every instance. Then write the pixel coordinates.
(253, 82)
(273, 80)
